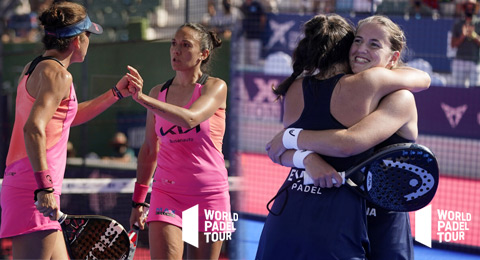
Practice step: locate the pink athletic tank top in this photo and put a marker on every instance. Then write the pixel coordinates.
(19, 172)
(190, 161)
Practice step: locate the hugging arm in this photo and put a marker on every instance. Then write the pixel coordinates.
(383, 81)
(394, 112)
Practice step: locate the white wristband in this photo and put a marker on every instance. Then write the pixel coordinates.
(298, 158)
(290, 137)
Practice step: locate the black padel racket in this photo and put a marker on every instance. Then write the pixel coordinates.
(94, 237)
(398, 177)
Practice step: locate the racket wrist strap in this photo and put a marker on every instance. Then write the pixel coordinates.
(43, 179)
(137, 204)
(116, 93)
(299, 157)
(47, 190)
(140, 193)
(290, 138)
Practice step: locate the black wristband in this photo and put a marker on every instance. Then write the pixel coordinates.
(48, 190)
(116, 92)
(137, 204)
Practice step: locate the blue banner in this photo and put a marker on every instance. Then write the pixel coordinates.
(426, 38)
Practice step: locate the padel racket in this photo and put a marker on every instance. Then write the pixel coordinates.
(133, 235)
(94, 237)
(398, 177)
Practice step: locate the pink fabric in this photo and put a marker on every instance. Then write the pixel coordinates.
(190, 161)
(43, 179)
(19, 172)
(168, 207)
(19, 214)
(140, 192)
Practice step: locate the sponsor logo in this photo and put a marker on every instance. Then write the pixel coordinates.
(178, 130)
(219, 225)
(371, 212)
(106, 240)
(452, 226)
(427, 178)
(279, 32)
(307, 185)
(292, 132)
(165, 212)
(454, 114)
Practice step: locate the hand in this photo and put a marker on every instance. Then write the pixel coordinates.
(321, 172)
(122, 86)
(468, 30)
(275, 147)
(138, 217)
(47, 205)
(135, 83)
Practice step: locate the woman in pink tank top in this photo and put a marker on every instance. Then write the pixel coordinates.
(183, 149)
(46, 107)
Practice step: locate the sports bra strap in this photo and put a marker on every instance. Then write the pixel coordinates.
(200, 81)
(167, 84)
(203, 79)
(37, 60)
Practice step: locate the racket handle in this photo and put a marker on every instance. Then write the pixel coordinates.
(135, 225)
(342, 174)
(60, 215)
(308, 180)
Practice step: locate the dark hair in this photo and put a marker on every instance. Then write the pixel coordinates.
(60, 14)
(208, 39)
(327, 40)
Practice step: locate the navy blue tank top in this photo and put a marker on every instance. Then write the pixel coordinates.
(307, 222)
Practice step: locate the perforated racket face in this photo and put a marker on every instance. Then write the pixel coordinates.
(403, 180)
(93, 237)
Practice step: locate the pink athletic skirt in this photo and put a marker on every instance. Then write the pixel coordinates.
(19, 214)
(214, 213)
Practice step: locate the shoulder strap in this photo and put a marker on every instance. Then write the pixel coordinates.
(203, 79)
(167, 84)
(37, 60)
(200, 81)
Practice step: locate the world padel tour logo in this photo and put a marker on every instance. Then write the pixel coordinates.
(452, 226)
(219, 225)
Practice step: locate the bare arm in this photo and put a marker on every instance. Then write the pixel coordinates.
(146, 163)
(382, 81)
(49, 87)
(214, 96)
(395, 111)
(147, 157)
(53, 85)
(88, 110)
